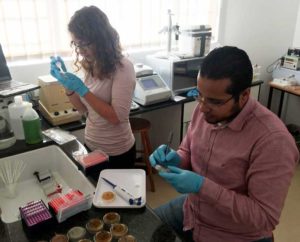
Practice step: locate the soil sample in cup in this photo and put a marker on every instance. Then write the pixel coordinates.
(103, 236)
(127, 238)
(76, 233)
(59, 238)
(118, 230)
(111, 218)
(94, 225)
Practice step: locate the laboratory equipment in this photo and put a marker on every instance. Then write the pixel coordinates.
(150, 87)
(16, 111)
(124, 194)
(286, 76)
(8, 86)
(32, 126)
(10, 172)
(195, 41)
(291, 62)
(179, 74)
(35, 216)
(7, 137)
(292, 59)
(169, 29)
(54, 105)
(169, 142)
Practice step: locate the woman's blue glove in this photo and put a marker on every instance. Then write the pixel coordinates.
(58, 61)
(164, 156)
(67, 79)
(183, 181)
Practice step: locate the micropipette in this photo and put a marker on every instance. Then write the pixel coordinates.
(169, 143)
(124, 194)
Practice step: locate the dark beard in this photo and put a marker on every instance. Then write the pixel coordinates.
(234, 112)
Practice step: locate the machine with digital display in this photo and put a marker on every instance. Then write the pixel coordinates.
(150, 88)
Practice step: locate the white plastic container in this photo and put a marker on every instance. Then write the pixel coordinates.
(63, 170)
(16, 111)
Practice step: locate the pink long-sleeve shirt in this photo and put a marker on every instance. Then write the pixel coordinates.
(247, 165)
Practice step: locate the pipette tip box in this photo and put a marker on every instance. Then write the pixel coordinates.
(35, 216)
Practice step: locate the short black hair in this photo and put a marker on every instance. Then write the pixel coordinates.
(229, 62)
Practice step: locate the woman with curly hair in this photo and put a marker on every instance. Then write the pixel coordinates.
(105, 93)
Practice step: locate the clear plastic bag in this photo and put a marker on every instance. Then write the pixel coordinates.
(59, 136)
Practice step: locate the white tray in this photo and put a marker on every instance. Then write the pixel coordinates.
(133, 180)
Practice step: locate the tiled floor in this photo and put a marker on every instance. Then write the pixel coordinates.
(287, 231)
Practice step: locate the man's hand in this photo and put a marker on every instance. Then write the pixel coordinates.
(183, 181)
(164, 156)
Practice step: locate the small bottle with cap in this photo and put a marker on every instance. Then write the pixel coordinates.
(32, 126)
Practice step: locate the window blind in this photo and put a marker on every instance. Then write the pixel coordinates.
(38, 28)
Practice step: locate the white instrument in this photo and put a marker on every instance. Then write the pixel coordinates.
(150, 88)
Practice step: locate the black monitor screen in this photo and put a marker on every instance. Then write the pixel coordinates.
(4, 71)
(149, 84)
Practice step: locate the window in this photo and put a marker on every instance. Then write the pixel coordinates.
(38, 28)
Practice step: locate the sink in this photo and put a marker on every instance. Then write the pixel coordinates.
(28, 189)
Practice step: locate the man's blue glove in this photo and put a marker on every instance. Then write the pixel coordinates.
(67, 79)
(183, 181)
(164, 156)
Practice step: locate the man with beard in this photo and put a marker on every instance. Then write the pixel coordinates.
(234, 165)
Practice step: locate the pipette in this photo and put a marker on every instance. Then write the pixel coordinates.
(169, 142)
(124, 194)
(58, 64)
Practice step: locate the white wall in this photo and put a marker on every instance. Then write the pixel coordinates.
(264, 29)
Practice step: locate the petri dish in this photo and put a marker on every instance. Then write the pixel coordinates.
(103, 236)
(76, 233)
(94, 225)
(60, 238)
(127, 238)
(111, 218)
(118, 230)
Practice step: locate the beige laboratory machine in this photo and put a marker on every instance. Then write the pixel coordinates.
(54, 105)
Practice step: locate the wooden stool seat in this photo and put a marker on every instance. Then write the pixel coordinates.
(142, 126)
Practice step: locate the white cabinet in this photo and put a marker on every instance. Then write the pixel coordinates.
(255, 92)
(187, 116)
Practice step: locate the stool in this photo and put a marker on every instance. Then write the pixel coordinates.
(142, 126)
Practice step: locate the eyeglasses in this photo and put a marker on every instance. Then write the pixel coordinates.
(81, 45)
(210, 102)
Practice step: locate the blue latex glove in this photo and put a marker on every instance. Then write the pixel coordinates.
(183, 181)
(164, 156)
(58, 61)
(67, 79)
